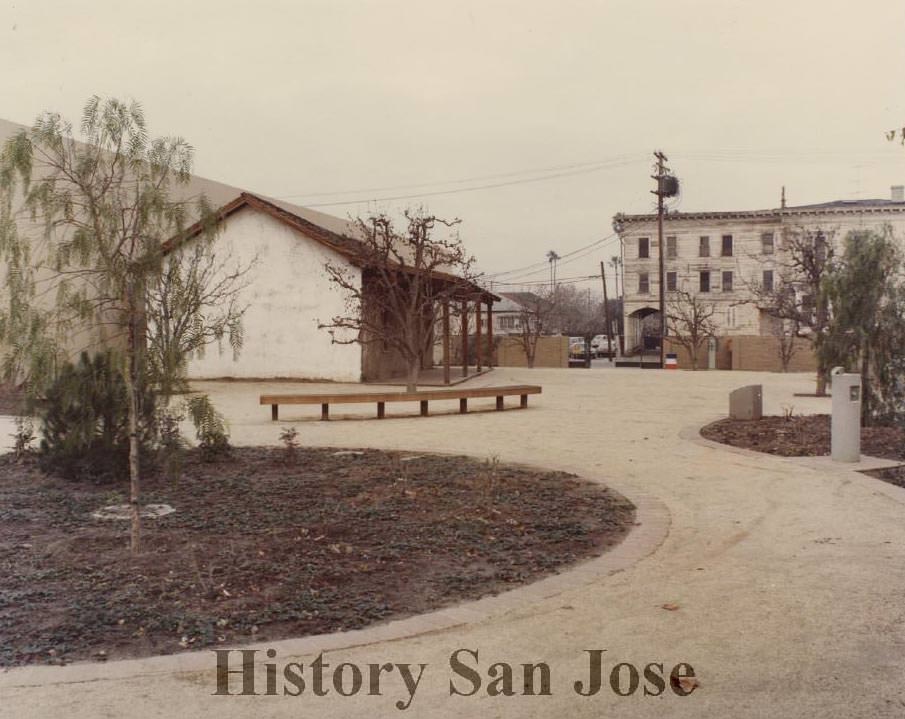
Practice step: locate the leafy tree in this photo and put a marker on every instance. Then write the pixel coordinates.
(407, 276)
(867, 330)
(689, 322)
(82, 231)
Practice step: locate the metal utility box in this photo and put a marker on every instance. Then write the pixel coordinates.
(845, 425)
(747, 402)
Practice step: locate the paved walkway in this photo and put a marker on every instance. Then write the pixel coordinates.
(788, 574)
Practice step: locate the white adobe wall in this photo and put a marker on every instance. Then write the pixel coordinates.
(288, 293)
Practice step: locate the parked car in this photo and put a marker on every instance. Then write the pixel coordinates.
(599, 346)
(577, 349)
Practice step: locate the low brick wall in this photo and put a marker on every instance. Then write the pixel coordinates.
(551, 352)
(723, 354)
(755, 353)
(761, 354)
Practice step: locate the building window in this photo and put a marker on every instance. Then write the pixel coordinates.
(727, 245)
(507, 323)
(727, 281)
(768, 280)
(705, 281)
(671, 252)
(643, 283)
(704, 247)
(766, 243)
(643, 247)
(671, 281)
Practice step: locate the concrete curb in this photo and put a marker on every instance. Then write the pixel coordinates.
(652, 522)
(852, 471)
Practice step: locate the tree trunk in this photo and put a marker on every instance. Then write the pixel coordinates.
(867, 397)
(821, 382)
(414, 371)
(132, 385)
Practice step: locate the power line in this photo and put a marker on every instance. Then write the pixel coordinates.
(476, 188)
(476, 178)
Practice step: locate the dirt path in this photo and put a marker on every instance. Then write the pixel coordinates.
(787, 579)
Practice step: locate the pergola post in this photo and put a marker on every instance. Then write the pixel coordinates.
(463, 325)
(446, 378)
(489, 334)
(479, 348)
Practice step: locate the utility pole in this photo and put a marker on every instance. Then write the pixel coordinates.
(606, 312)
(552, 258)
(667, 186)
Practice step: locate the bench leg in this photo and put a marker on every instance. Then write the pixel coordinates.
(524, 402)
(499, 403)
(274, 412)
(463, 405)
(325, 412)
(381, 410)
(424, 408)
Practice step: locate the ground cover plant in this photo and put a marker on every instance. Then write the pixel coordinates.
(264, 547)
(801, 436)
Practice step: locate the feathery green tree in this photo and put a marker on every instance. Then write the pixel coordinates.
(866, 332)
(82, 230)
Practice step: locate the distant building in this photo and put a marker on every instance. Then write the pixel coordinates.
(510, 312)
(723, 254)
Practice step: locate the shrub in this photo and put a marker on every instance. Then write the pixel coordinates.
(289, 438)
(84, 420)
(210, 427)
(170, 444)
(23, 438)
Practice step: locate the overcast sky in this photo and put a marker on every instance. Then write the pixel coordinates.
(331, 101)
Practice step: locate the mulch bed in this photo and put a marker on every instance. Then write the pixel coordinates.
(263, 548)
(801, 436)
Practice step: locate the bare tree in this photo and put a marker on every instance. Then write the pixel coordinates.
(578, 313)
(194, 302)
(796, 295)
(690, 322)
(786, 333)
(536, 314)
(407, 276)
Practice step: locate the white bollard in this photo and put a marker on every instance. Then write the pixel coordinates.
(846, 420)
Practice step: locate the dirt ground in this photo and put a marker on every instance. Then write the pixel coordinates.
(262, 546)
(801, 436)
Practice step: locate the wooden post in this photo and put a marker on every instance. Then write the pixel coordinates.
(381, 410)
(325, 412)
(463, 405)
(464, 329)
(274, 412)
(479, 349)
(446, 378)
(499, 404)
(524, 401)
(489, 334)
(424, 408)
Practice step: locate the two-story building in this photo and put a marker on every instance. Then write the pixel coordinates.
(723, 255)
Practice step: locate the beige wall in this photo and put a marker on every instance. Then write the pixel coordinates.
(761, 353)
(756, 353)
(551, 352)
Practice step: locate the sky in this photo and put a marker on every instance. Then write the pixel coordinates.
(533, 122)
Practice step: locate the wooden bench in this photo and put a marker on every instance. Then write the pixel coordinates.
(381, 398)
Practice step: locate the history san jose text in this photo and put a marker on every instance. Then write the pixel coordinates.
(244, 672)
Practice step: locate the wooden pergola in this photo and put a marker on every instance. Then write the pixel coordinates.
(472, 302)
